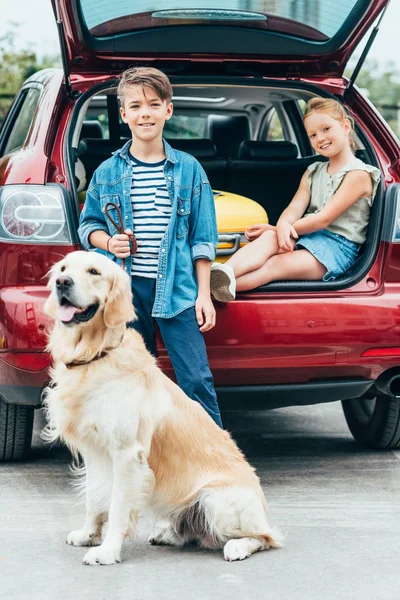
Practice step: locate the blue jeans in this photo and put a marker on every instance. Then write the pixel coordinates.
(184, 343)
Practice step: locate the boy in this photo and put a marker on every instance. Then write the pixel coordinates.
(166, 200)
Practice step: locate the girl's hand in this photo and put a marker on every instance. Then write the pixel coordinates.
(253, 232)
(285, 233)
(205, 312)
(120, 245)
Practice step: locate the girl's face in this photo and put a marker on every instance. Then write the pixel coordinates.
(328, 136)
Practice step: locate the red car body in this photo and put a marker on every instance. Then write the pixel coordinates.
(273, 347)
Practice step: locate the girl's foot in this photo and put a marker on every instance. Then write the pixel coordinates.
(223, 282)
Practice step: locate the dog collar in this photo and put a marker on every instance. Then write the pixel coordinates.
(79, 363)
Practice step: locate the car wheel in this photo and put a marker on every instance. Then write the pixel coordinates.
(374, 422)
(16, 424)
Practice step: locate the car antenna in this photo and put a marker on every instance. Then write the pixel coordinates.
(364, 53)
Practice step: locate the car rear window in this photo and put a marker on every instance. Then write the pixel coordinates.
(25, 113)
(316, 19)
(186, 127)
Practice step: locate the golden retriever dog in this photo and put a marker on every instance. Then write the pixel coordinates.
(143, 442)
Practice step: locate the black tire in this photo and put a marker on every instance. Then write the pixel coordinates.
(374, 422)
(16, 425)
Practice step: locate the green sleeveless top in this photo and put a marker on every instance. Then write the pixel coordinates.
(353, 223)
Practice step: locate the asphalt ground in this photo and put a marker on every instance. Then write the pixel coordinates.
(337, 504)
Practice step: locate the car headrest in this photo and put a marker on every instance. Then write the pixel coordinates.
(95, 147)
(268, 150)
(124, 130)
(362, 154)
(227, 133)
(199, 148)
(91, 129)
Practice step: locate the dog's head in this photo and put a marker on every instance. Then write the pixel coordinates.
(88, 286)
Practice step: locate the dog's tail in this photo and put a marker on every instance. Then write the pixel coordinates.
(273, 539)
(228, 513)
(212, 517)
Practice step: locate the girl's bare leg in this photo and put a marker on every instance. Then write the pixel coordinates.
(296, 265)
(254, 255)
(245, 262)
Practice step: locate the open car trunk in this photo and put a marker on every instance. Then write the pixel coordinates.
(250, 140)
(313, 38)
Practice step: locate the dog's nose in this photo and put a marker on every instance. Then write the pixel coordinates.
(64, 283)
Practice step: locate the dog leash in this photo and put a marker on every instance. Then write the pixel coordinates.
(120, 227)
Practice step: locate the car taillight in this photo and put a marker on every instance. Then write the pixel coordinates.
(391, 221)
(34, 213)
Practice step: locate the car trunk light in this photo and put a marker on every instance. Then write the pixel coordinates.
(208, 14)
(379, 352)
(34, 213)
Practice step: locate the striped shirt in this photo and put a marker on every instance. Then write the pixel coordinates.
(152, 209)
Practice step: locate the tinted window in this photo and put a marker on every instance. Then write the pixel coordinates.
(303, 105)
(275, 129)
(183, 126)
(22, 124)
(322, 16)
(97, 118)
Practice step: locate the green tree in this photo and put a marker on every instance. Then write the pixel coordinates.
(382, 83)
(16, 66)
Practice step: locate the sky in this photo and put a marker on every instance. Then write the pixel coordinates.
(37, 29)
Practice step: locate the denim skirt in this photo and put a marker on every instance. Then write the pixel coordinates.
(334, 251)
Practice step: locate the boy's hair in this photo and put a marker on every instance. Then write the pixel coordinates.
(335, 110)
(145, 77)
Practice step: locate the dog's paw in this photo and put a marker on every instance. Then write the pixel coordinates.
(81, 538)
(102, 556)
(236, 550)
(156, 540)
(164, 536)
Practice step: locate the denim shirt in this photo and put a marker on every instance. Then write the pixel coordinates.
(191, 233)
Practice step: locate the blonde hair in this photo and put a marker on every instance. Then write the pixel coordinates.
(145, 77)
(335, 110)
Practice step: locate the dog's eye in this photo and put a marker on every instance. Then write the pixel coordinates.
(94, 272)
(62, 269)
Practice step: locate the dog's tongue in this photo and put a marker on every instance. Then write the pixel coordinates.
(66, 313)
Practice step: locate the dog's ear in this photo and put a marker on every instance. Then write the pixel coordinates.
(50, 307)
(119, 308)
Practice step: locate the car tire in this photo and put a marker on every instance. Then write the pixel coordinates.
(16, 425)
(374, 422)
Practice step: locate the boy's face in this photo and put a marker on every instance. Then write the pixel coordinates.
(145, 112)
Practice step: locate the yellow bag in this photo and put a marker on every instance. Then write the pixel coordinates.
(234, 214)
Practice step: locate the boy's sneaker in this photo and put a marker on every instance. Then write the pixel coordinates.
(223, 282)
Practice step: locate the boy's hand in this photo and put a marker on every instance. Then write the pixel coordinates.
(119, 244)
(251, 233)
(205, 313)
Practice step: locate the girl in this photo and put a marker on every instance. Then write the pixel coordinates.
(319, 235)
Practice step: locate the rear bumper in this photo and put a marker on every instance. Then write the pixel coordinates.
(265, 397)
(23, 362)
(24, 395)
(23, 385)
(256, 397)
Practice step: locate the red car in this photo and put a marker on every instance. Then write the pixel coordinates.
(241, 79)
